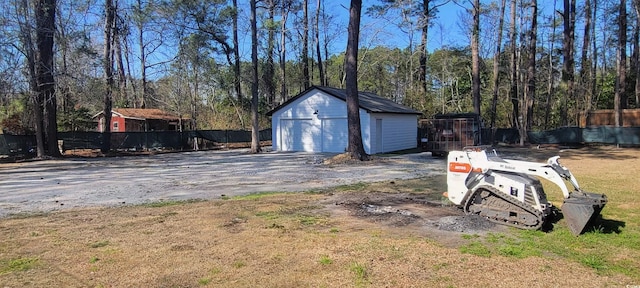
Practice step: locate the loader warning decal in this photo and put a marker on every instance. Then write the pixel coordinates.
(459, 167)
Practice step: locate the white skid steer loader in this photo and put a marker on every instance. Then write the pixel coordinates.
(509, 192)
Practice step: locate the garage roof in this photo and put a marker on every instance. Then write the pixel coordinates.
(368, 101)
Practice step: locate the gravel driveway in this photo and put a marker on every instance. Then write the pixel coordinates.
(43, 186)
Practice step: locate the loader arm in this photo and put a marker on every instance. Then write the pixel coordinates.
(552, 170)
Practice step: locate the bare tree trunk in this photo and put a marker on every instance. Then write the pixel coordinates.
(475, 58)
(632, 78)
(47, 84)
(636, 51)
(132, 87)
(513, 87)
(318, 51)
(620, 99)
(283, 52)
(38, 108)
(269, 71)
(305, 45)
(423, 44)
(63, 89)
(550, 82)
(196, 91)
(325, 45)
(496, 66)
(236, 53)
(255, 129)
(143, 61)
(594, 48)
(45, 29)
(122, 80)
(108, 74)
(585, 66)
(355, 148)
(530, 91)
(568, 67)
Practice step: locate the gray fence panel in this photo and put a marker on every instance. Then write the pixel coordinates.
(219, 136)
(609, 135)
(231, 136)
(591, 135)
(265, 135)
(540, 137)
(627, 135)
(130, 140)
(238, 136)
(4, 148)
(485, 136)
(506, 135)
(80, 140)
(18, 145)
(597, 135)
(565, 135)
(149, 140)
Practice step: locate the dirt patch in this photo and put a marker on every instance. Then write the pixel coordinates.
(408, 207)
(425, 213)
(347, 159)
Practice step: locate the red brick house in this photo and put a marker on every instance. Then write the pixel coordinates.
(141, 120)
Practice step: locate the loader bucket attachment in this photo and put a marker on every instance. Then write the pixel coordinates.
(581, 209)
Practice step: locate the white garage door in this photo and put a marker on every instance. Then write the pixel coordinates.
(306, 135)
(299, 135)
(334, 135)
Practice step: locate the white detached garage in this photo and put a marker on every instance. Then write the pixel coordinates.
(316, 121)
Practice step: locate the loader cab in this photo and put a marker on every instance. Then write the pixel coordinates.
(450, 132)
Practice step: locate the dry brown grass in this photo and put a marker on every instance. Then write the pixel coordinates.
(278, 241)
(281, 240)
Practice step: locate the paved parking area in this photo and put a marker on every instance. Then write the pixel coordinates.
(42, 186)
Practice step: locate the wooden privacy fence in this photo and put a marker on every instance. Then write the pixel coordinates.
(606, 117)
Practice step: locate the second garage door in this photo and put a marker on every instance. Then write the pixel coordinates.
(335, 135)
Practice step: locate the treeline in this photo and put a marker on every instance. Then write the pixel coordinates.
(522, 64)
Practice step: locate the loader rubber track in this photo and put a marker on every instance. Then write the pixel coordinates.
(500, 208)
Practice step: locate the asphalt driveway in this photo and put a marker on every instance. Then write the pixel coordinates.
(43, 186)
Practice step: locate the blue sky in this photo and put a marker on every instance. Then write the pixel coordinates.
(385, 32)
(378, 31)
(447, 28)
